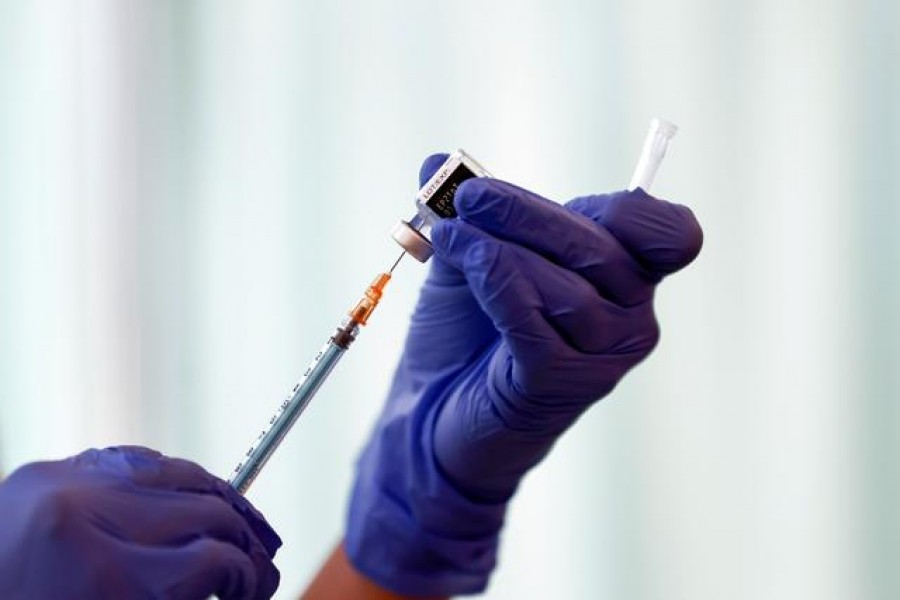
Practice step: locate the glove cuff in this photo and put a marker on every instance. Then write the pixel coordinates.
(409, 529)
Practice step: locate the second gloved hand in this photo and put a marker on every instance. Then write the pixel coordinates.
(530, 314)
(128, 522)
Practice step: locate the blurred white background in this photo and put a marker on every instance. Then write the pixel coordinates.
(191, 193)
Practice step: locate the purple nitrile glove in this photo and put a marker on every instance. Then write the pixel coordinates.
(128, 522)
(531, 313)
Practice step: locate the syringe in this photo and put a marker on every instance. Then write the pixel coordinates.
(434, 201)
(316, 373)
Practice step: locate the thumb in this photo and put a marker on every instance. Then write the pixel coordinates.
(663, 236)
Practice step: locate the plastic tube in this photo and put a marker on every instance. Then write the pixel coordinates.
(655, 145)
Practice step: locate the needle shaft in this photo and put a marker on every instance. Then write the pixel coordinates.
(397, 262)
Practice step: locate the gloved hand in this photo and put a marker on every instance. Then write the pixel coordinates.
(530, 314)
(130, 523)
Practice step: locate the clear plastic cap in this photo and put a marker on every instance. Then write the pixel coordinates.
(655, 146)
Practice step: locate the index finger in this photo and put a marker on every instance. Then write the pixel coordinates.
(568, 239)
(148, 468)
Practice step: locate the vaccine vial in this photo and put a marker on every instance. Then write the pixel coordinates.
(434, 201)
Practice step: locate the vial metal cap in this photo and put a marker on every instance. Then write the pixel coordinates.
(412, 241)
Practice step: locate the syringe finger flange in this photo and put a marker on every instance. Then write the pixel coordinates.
(346, 334)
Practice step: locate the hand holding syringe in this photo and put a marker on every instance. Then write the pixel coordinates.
(434, 201)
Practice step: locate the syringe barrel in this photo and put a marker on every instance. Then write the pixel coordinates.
(286, 415)
(655, 145)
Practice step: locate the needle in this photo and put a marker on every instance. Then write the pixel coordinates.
(397, 262)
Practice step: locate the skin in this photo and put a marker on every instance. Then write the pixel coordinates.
(338, 580)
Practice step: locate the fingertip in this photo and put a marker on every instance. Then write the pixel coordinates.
(664, 236)
(470, 195)
(430, 165)
(691, 237)
(674, 236)
(219, 568)
(268, 580)
(264, 532)
(270, 540)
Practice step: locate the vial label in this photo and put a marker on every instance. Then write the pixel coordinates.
(439, 192)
